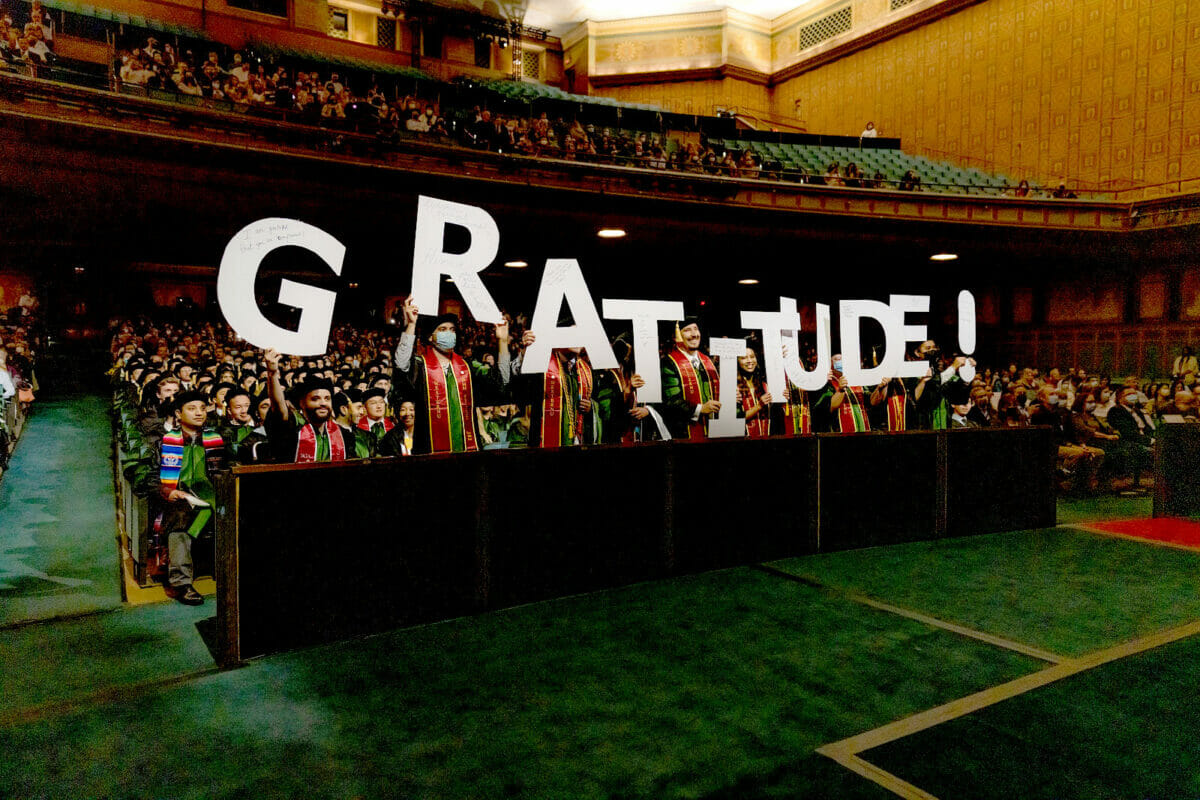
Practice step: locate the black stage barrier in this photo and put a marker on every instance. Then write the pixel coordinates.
(321, 552)
(1177, 470)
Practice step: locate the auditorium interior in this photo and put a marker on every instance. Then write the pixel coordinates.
(900, 608)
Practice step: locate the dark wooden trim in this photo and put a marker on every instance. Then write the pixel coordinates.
(872, 38)
(483, 537)
(812, 500)
(225, 565)
(942, 484)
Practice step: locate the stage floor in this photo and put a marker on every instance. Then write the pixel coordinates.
(1051, 663)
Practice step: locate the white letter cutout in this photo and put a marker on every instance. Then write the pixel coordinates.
(645, 315)
(773, 324)
(430, 262)
(235, 286)
(815, 380)
(563, 280)
(903, 304)
(852, 311)
(727, 422)
(966, 332)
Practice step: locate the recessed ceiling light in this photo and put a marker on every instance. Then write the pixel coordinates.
(611, 233)
(516, 264)
(748, 281)
(449, 280)
(943, 257)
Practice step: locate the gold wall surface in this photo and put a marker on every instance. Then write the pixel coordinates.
(695, 97)
(1103, 93)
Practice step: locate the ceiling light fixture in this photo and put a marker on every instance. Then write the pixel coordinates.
(611, 233)
(943, 257)
(748, 281)
(516, 264)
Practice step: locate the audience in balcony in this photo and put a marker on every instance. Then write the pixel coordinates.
(911, 182)
(333, 102)
(853, 177)
(833, 175)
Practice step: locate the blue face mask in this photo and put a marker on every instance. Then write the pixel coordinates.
(445, 340)
(837, 365)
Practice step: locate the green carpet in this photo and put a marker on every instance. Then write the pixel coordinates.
(1073, 510)
(80, 656)
(57, 515)
(1123, 730)
(720, 684)
(1061, 590)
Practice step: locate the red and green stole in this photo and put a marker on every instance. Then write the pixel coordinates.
(627, 404)
(306, 443)
(797, 416)
(562, 421)
(851, 415)
(690, 383)
(441, 437)
(364, 424)
(760, 426)
(897, 408)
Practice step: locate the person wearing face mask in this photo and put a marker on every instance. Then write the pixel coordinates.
(982, 413)
(440, 383)
(1182, 408)
(1080, 462)
(1106, 398)
(919, 403)
(841, 408)
(1087, 430)
(1136, 431)
(1086, 427)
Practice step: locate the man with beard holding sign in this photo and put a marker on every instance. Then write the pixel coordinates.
(441, 382)
(690, 385)
(320, 438)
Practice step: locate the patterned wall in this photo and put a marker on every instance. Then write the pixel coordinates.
(1100, 91)
(695, 97)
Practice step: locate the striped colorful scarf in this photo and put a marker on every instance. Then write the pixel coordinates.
(172, 455)
(851, 415)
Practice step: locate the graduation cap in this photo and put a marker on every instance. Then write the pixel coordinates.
(313, 384)
(236, 392)
(442, 319)
(190, 396)
(224, 385)
(487, 393)
(690, 319)
(374, 391)
(957, 393)
(340, 401)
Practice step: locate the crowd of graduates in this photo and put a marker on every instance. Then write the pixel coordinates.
(209, 399)
(18, 344)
